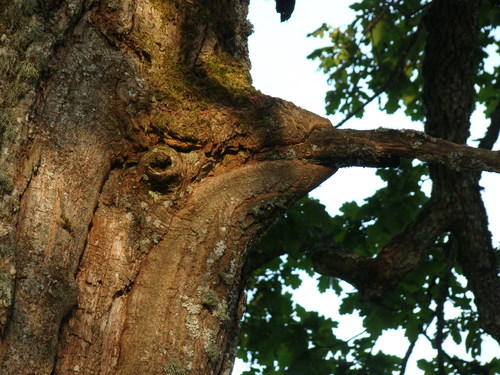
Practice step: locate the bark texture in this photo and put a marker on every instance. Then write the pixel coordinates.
(136, 189)
(138, 167)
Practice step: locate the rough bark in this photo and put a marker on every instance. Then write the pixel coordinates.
(136, 187)
(138, 167)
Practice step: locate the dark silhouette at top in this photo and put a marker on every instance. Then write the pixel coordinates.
(285, 8)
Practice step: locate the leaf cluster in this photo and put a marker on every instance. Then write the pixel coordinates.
(380, 55)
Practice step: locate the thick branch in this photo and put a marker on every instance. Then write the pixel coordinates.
(476, 252)
(286, 131)
(384, 147)
(476, 255)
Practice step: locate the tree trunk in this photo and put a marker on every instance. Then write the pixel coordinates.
(136, 187)
(138, 167)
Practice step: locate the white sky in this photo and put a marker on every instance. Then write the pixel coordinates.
(279, 68)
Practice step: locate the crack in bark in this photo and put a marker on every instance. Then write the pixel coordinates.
(81, 338)
(91, 222)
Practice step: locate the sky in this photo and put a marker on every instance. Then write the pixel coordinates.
(280, 68)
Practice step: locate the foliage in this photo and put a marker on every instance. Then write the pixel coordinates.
(378, 56)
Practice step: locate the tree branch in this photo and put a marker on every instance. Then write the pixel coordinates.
(375, 276)
(450, 67)
(409, 351)
(390, 79)
(384, 147)
(451, 359)
(451, 251)
(285, 131)
(491, 135)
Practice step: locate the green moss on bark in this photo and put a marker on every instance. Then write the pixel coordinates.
(174, 367)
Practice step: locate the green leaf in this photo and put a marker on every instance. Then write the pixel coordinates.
(456, 336)
(425, 365)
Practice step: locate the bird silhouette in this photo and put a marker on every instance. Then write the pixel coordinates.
(285, 8)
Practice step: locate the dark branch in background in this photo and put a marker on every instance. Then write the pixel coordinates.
(338, 148)
(374, 277)
(491, 135)
(477, 367)
(458, 364)
(376, 20)
(451, 253)
(381, 148)
(421, 330)
(404, 12)
(449, 70)
(409, 351)
(455, 205)
(400, 64)
(361, 107)
(476, 254)
(332, 347)
(369, 358)
(457, 368)
(259, 258)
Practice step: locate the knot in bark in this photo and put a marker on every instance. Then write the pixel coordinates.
(162, 165)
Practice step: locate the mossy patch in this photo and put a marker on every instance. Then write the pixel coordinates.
(188, 98)
(190, 105)
(5, 185)
(22, 26)
(229, 73)
(28, 72)
(6, 251)
(6, 293)
(209, 298)
(174, 367)
(187, 125)
(6, 124)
